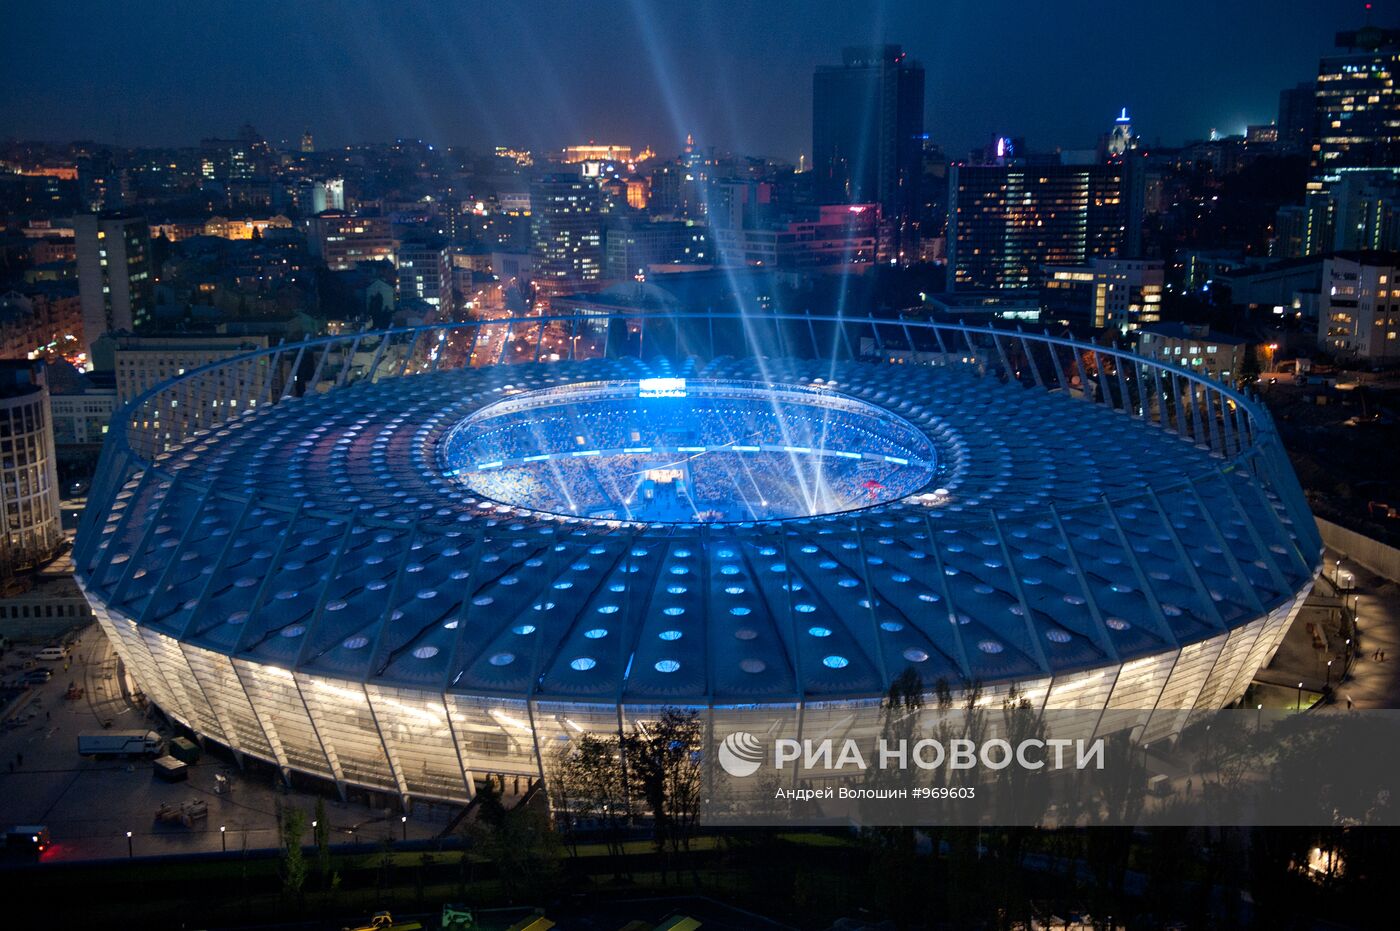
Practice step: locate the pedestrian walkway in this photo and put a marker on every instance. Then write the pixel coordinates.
(1372, 683)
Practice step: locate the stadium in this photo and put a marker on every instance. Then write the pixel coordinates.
(403, 560)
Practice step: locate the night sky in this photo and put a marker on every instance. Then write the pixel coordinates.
(544, 73)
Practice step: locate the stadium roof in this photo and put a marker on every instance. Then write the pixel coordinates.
(320, 534)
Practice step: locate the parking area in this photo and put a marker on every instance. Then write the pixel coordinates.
(90, 804)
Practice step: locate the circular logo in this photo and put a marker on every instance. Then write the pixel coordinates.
(741, 754)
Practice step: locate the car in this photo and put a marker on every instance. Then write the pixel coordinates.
(51, 654)
(28, 838)
(38, 676)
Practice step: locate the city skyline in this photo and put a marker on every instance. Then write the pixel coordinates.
(647, 74)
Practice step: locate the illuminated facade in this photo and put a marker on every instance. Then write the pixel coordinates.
(566, 235)
(1359, 306)
(1007, 222)
(30, 532)
(425, 272)
(313, 581)
(633, 246)
(114, 272)
(1358, 108)
(1121, 138)
(1122, 293)
(222, 227)
(1198, 348)
(575, 154)
(342, 241)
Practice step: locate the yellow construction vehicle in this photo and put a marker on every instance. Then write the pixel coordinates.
(383, 921)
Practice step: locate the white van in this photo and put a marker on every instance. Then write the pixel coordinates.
(52, 654)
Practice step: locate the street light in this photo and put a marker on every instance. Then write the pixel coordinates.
(1329, 673)
(404, 821)
(223, 836)
(1300, 697)
(129, 853)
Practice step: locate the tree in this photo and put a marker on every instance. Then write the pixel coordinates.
(1249, 368)
(1021, 797)
(385, 862)
(895, 867)
(588, 779)
(293, 824)
(565, 787)
(663, 760)
(523, 847)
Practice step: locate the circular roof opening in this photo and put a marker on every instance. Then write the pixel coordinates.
(674, 450)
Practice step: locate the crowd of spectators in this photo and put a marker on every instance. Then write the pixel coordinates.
(630, 458)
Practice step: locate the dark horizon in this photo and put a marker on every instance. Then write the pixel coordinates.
(545, 73)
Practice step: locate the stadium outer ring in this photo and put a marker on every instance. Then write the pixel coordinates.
(376, 737)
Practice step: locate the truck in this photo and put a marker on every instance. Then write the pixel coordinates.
(119, 743)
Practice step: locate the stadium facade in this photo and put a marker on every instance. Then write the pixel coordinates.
(403, 560)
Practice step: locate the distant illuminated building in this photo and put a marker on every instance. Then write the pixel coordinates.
(1365, 211)
(1359, 307)
(221, 227)
(738, 202)
(81, 406)
(1360, 210)
(1122, 293)
(425, 272)
(664, 196)
(854, 234)
(696, 166)
(1006, 222)
(1261, 134)
(307, 143)
(632, 247)
(30, 533)
(1353, 135)
(566, 237)
(1358, 109)
(323, 195)
(1121, 138)
(1198, 348)
(575, 154)
(523, 158)
(141, 362)
(868, 130)
(41, 320)
(1301, 229)
(341, 240)
(114, 272)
